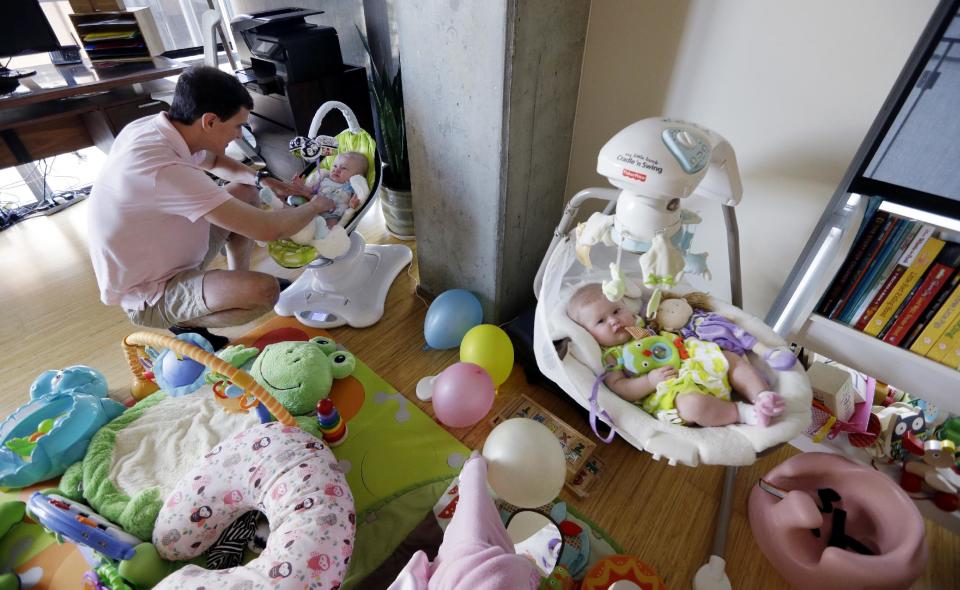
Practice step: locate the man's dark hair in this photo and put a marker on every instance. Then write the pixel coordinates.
(203, 89)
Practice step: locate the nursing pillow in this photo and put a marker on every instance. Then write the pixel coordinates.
(289, 475)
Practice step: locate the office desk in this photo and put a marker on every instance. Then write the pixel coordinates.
(61, 109)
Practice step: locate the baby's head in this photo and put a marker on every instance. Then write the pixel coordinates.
(605, 320)
(348, 165)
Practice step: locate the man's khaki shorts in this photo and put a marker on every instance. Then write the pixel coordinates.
(182, 298)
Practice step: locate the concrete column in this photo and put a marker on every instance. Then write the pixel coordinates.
(490, 93)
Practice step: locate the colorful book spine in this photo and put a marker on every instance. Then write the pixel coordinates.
(946, 351)
(895, 275)
(936, 278)
(911, 276)
(912, 228)
(930, 312)
(948, 313)
(873, 270)
(862, 265)
(868, 233)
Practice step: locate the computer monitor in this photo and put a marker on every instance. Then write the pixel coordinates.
(24, 29)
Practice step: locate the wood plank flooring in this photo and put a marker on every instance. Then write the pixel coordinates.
(51, 317)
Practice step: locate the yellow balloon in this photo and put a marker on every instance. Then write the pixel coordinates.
(488, 346)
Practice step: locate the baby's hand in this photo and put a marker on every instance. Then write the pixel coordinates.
(354, 202)
(661, 374)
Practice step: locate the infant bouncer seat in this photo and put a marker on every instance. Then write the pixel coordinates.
(655, 163)
(349, 288)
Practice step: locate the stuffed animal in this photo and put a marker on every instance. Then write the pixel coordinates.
(691, 317)
(299, 374)
(179, 375)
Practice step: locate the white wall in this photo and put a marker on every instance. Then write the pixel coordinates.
(793, 85)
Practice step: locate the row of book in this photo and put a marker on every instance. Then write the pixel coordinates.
(900, 283)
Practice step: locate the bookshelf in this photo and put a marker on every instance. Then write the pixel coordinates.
(120, 36)
(900, 161)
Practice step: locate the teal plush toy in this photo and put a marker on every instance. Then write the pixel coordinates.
(300, 374)
(639, 357)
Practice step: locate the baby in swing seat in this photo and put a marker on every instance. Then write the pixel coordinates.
(338, 184)
(681, 381)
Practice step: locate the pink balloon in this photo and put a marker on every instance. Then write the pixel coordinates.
(462, 395)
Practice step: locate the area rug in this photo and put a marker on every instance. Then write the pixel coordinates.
(398, 462)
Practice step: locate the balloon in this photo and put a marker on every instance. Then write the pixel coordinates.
(462, 395)
(490, 347)
(525, 463)
(449, 317)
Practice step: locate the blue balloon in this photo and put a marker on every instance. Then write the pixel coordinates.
(450, 317)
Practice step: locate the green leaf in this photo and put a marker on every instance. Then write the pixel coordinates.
(388, 99)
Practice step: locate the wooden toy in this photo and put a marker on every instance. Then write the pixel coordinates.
(933, 471)
(896, 422)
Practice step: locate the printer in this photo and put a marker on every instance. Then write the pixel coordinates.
(290, 68)
(283, 42)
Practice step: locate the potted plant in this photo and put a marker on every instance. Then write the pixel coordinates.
(396, 200)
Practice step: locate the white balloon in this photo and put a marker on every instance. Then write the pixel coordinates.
(525, 463)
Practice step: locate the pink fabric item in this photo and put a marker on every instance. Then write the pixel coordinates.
(879, 515)
(145, 218)
(289, 475)
(476, 552)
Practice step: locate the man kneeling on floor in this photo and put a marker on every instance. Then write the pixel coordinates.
(156, 219)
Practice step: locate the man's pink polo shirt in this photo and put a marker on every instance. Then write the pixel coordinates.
(146, 212)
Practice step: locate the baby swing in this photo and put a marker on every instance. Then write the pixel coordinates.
(349, 288)
(654, 163)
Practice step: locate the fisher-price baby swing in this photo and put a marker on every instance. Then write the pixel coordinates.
(350, 285)
(655, 163)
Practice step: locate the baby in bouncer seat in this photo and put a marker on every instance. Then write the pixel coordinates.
(681, 380)
(337, 184)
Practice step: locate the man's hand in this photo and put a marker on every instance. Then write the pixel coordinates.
(322, 204)
(661, 374)
(285, 189)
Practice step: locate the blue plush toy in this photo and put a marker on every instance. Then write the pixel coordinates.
(51, 432)
(180, 375)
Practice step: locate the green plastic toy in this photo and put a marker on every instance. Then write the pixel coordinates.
(24, 445)
(639, 357)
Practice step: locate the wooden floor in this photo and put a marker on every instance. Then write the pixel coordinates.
(52, 317)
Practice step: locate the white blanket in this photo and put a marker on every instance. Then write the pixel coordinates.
(158, 448)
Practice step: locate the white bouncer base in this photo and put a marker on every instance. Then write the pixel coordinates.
(350, 289)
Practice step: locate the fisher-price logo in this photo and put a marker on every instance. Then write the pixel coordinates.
(635, 175)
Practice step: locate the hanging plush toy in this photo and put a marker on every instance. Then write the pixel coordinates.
(662, 264)
(311, 149)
